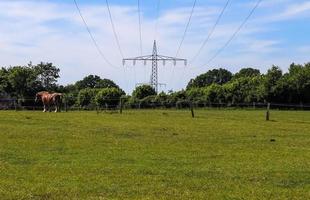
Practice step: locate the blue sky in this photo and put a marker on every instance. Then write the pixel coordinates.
(52, 31)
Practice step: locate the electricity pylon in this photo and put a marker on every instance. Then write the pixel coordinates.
(155, 58)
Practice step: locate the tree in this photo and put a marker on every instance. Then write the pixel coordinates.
(174, 97)
(214, 93)
(23, 81)
(109, 97)
(295, 85)
(143, 91)
(4, 83)
(86, 97)
(161, 99)
(270, 81)
(194, 94)
(93, 81)
(243, 90)
(106, 83)
(218, 76)
(148, 102)
(88, 82)
(247, 72)
(47, 74)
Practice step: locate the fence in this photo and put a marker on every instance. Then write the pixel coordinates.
(126, 103)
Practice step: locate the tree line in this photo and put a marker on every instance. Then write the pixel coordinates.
(216, 86)
(249, 85)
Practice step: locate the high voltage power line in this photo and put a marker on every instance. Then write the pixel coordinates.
(184, 35)
(211, 32)
(92, 36)
(116, 39)
(233, 36)
(156, 30)
(114, 30)
(186, 28)
(235, 33)
(95, 42)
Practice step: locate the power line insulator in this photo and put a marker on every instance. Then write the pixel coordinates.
(124, 62)
(164, 62)
(134, 62)
(144, 62)
(174, 62)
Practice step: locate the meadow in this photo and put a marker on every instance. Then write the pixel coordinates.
(155, 154)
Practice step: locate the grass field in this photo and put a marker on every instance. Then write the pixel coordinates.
(155, 154)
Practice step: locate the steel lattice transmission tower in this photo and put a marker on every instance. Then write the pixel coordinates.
(155, 57)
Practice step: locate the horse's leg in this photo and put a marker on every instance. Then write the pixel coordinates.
(44, 110)
(49, 107)
(57, 104)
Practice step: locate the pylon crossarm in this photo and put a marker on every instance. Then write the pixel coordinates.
(161, 57)
(139, 58)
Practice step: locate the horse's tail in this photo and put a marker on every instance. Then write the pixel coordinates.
(57, 97)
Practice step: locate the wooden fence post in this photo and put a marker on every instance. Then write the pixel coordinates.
(97, 110)
(268, 112)
(192, 110)
(66, 108)
(15, 105)
(121, 106)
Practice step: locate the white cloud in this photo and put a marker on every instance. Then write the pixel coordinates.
(44, 31)
(282, 10)
(296, 9)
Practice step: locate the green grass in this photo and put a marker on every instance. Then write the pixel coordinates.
(155, 154)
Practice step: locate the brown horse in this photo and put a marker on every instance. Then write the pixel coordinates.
(48, 99)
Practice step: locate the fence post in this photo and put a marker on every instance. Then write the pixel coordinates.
(268, 112)
(192, 109)
(15, 107)
(97, 109)
(66, 108)
(121, 106)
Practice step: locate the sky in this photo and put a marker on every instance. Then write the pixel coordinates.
(278, 33)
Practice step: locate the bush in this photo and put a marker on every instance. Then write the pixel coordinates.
(86, 98)
(149, 102)
(109, 97)
(195, 94)
(174, 97)
(214, 94)
(143, 91)
(69, 99)
(182, 104)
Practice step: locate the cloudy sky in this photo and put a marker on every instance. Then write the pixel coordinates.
(52, 31)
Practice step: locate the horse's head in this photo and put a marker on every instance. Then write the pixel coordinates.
(38, 96)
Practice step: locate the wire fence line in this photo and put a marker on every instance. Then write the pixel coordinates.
(130, 103)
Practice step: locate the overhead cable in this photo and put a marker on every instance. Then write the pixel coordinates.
(92, 36)
(114, 30)
(211, 31)
(235, 33)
